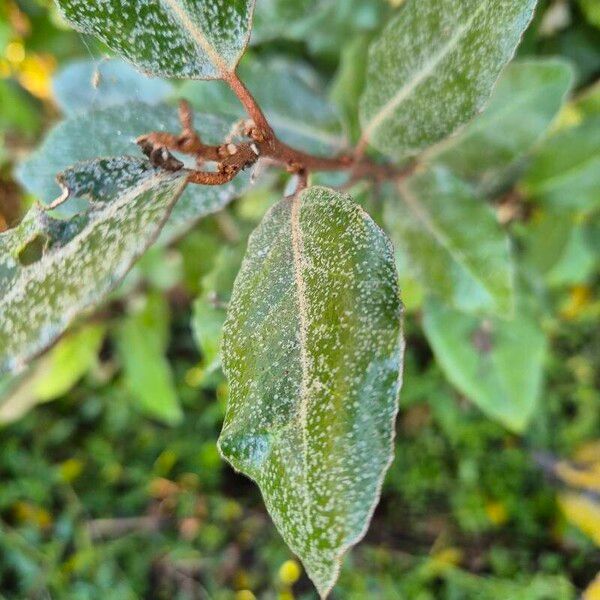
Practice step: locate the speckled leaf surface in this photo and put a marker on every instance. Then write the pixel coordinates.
(313, 353)
(524, 104)
(88, 84)
(112, 132)
(496, 363)
(565, 172)
(192, 39)
(83, 258)
(434, 67)
(452, 241)
(292, 97)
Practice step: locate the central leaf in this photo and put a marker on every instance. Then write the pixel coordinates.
(195, 39)
(313, 353)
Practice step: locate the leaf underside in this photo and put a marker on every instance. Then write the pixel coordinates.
(192, 39)
(312, 350)
(434, 67)
(79, 261)
(85, 85)
(497, 364)
(526, 100)
(453, 242)
(112, 132)
(565, 172)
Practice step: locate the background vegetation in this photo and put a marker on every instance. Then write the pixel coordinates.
(110, 481)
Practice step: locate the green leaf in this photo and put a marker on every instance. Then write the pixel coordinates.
(349, 82)
(565, 172)
(588, 102)
(88, 84)
(323, 26)
(434, 67)
(112, 132)
(54, 374)
(591, 9)
(210, 308)
(313, 352)
(52, 270)
(452, 241)
(498, 364)
(142, 344)
(577, 264)
(284, 18)
(20, 112)
(207, 324)
(291, 96)
(546, 238)
(191, 39)
(525, 102)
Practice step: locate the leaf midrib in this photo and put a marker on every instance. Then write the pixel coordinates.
(298, 264)
(198, 35)
(426, 71)
(438, 235)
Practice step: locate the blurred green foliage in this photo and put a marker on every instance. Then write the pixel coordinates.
(115, 488)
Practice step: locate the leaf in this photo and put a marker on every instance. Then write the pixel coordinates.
(525, 102)
(591, 9)
(323, 26)
(496, 363)
(282, 18)
(349, 82)
(142, 344)
(20, 113)
(88, 84)
(210, 308)
(312, 350)
(546, 239)
(291, 96)
(52, 270)
(565, 172)
(54, 374)
(191, 39)
(112, 132)
(434, 67)
(452, 241)
(588, 102)
(576, 264)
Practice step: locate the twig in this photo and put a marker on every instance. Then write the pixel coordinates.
(232, 158)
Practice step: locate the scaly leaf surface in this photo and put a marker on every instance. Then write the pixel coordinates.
(313, 352)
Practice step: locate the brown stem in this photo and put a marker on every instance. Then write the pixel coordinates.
(232, 158)
(264, 131)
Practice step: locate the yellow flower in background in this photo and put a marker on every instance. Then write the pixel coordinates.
(496, 512)
(15, 52)
(579, 299)
(70, 469)
(35, 74)
(582, 511)
(580, 502)
(592, 592)
(289, 572)
(26, 512)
